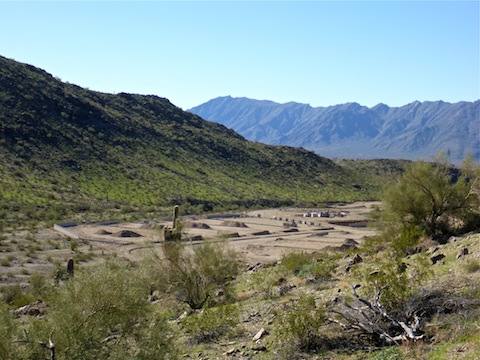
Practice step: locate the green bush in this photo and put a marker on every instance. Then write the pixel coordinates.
(14, 295)
(432, 198)
(471, 266)
(385, 276)
(266, 280)
(295, 261)
(6, 333)
(102, 314)
(300, 327)
(212, 323)
(196, 272)
(303, 264)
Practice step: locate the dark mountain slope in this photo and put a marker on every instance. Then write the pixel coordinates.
(416, 130)
(64, 149)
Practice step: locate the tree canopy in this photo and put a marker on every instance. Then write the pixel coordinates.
(434, 198)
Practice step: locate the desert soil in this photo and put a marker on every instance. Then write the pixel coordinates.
(262, 236)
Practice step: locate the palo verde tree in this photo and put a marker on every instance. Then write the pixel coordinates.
(433, 198)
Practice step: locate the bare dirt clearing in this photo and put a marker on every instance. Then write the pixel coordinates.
(261, 236)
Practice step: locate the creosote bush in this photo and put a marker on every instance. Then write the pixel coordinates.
(390, 278)
(304, 264)
(6, 333)
(195, 272)
(300, 326)
(101, 314)
(211, 323)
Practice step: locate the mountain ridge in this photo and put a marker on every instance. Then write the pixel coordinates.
(350, 130)
(65, 150)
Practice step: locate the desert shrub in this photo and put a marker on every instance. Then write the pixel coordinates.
(295, 261)
(266, 280)
(101, 313)
(303, 264)
(299, 327)
(211, 323)
(389, 278)
(6, 333)
(194, 273)
(39, 286)
(15, 296)
(322, 269)
(471, 266)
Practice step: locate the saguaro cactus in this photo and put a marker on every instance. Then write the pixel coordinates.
(173, 233)
(175, 216)
(70, 268)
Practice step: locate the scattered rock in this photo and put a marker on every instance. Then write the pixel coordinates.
(356, 260)
(154, 296)
(196, 238)
(284, 289)
(437, 258)
(36, 308)
(462, 252)
(350, 242)
(230, 351)
(374, 273)
(262, 332)
(259, 347)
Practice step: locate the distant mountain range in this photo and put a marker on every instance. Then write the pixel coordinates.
(416, 130)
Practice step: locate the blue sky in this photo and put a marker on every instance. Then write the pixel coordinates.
(317, 52)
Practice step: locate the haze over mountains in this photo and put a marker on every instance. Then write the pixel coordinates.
(416, 130)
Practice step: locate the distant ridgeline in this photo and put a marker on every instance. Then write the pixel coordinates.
(65, 149)
(417, 130)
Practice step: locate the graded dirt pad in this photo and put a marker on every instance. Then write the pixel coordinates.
(262, 237)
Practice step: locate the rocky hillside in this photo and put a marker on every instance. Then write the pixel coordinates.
(416, 130)
(66, 149)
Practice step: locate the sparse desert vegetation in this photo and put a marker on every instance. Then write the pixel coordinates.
(273, 252)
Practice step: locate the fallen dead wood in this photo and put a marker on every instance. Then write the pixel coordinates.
(370, 317)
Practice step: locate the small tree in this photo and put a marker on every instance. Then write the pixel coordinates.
(434, 198)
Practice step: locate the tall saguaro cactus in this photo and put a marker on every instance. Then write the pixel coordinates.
(173, 233)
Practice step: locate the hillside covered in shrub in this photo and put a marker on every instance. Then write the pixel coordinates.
(66, 150)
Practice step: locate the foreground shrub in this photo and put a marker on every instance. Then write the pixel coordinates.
(300, 326)
(6, 333)
(295, 261)
(391, 280)
(101, 314)
(211, 323)
(195, 272)
(319, 265)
